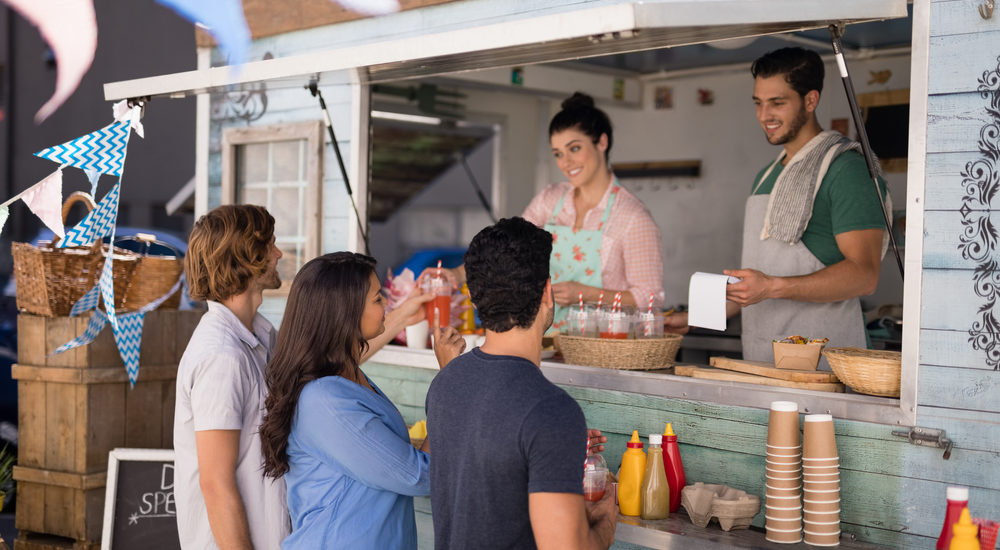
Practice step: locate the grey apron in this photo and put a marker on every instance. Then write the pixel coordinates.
(841, 322)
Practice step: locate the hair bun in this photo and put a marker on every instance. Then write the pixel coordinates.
(578, 100)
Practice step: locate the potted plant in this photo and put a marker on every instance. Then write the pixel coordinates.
(7, 459)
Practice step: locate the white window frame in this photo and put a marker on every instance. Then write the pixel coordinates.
(312, 133)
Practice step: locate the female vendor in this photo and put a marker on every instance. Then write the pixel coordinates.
(603, 238)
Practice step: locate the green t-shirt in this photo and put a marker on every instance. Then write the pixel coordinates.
(845, 202)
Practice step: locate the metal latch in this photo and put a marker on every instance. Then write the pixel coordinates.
(927, 437)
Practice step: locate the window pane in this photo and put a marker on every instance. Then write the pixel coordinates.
(252, 163)
(286, 161)
(287, 211)
(288, 265)
(253, 195)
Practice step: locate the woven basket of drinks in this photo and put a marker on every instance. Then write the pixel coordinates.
(873, 372)
(644, 354)
(50, 280)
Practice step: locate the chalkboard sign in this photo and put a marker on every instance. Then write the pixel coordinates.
(139, 509)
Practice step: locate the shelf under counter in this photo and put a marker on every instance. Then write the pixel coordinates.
(663, 383)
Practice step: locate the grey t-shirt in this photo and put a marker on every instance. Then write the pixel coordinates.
(220, 386)
(498, 431)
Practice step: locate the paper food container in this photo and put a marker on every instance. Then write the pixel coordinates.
(796, 356)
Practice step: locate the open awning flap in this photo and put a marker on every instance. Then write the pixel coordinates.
(585, 32)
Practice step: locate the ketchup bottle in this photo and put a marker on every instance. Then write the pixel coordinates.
(958, 499)
(675, 469)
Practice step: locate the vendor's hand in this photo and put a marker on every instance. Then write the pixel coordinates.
(603, 517)
(447, 274)
(412, 309)
(448, 343)
(567, 293)
(597, 441)
(755, 286)
(676, 323)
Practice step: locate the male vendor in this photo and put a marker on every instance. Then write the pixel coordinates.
(813, 231)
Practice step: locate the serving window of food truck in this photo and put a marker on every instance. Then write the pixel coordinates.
(686, 140)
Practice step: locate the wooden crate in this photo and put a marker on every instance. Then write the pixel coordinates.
(36, 541)
(74, 408)
(59, 503)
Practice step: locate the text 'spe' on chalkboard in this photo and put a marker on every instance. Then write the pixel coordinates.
(139, 510)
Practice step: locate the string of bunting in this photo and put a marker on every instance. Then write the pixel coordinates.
(100, 152)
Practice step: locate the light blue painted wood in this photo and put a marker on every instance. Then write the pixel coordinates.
(943, 233)
(954, 122)
(955, 17)
(959, 388)
(948, 300)
(949, 348)
(969, 429)
(960, 60)
(944, 189)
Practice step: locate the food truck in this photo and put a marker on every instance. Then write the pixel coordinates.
(669, 74)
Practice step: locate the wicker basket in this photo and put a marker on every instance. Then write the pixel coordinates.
(50, 280)
(872, 372)
(153, 277)
(645, 354)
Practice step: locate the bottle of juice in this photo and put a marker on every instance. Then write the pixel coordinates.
(468, 316)
(964, 533)
(630, 478)
(675, 468)
(655, 489)
(958, 499)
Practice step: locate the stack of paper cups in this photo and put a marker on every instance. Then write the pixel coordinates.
(821, 480)
(783, 503)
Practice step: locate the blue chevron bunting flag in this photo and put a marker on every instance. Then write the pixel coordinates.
(86, 302)
(107, 284)
(103, 150)
(4, 212)
(98, 223)
(128, 338)
(94, 327)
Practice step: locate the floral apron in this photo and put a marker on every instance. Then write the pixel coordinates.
(576, 255)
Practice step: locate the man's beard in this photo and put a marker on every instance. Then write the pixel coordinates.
(794, 128)
(271, 280)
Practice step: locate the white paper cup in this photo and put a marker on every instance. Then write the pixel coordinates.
(416, 335)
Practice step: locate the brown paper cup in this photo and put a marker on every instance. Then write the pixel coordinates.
(821, 471)
(814, 486)
(783, 424)
(822, 539)
(784, 449)
(784, 484)
(821, 517)
(774, 491)
(781, 503)
(782, 514)
(779, 524)
(823, 526)
(825, 461)
(788, 536)
(784, 454)
(818, 440)
(782, 466)
(782, 459)
(821, 504)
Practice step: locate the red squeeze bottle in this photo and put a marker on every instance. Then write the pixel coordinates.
(958, 498)
(675, 469)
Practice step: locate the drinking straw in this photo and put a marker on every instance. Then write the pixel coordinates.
(439, 269)
(588, 453)
(600, 298)
(616, 306)
(650, 309)
(581, 302)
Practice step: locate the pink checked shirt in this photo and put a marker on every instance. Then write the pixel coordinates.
(631, 256)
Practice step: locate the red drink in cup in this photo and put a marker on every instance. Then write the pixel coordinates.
(442, 301)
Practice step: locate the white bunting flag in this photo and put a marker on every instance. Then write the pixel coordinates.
(45, 200)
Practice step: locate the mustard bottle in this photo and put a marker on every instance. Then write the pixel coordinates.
(630, 479)
(468, 316)
(655, 488)
(964, 533)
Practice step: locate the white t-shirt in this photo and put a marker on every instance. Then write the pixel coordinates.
(220, 386)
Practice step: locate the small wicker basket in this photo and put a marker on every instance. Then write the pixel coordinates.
(872, 372)
(644, 354)
(153, 277)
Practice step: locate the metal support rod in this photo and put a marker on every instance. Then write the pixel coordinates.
(313, 88)
(460, 155)
(866, 147)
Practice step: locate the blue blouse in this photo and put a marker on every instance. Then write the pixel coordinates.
(352, 471)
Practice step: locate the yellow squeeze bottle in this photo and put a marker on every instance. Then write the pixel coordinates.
(964, 533)
(630, 479)
(468, 316)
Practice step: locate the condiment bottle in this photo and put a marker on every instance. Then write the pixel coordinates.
(958, 498)
(655, 489)
(675, 468)
(468, 316)
(965, 533)
(630, 478)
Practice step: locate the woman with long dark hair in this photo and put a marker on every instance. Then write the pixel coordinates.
(341, 445)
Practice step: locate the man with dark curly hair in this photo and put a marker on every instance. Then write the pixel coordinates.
(508, 445)
(223, 499)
